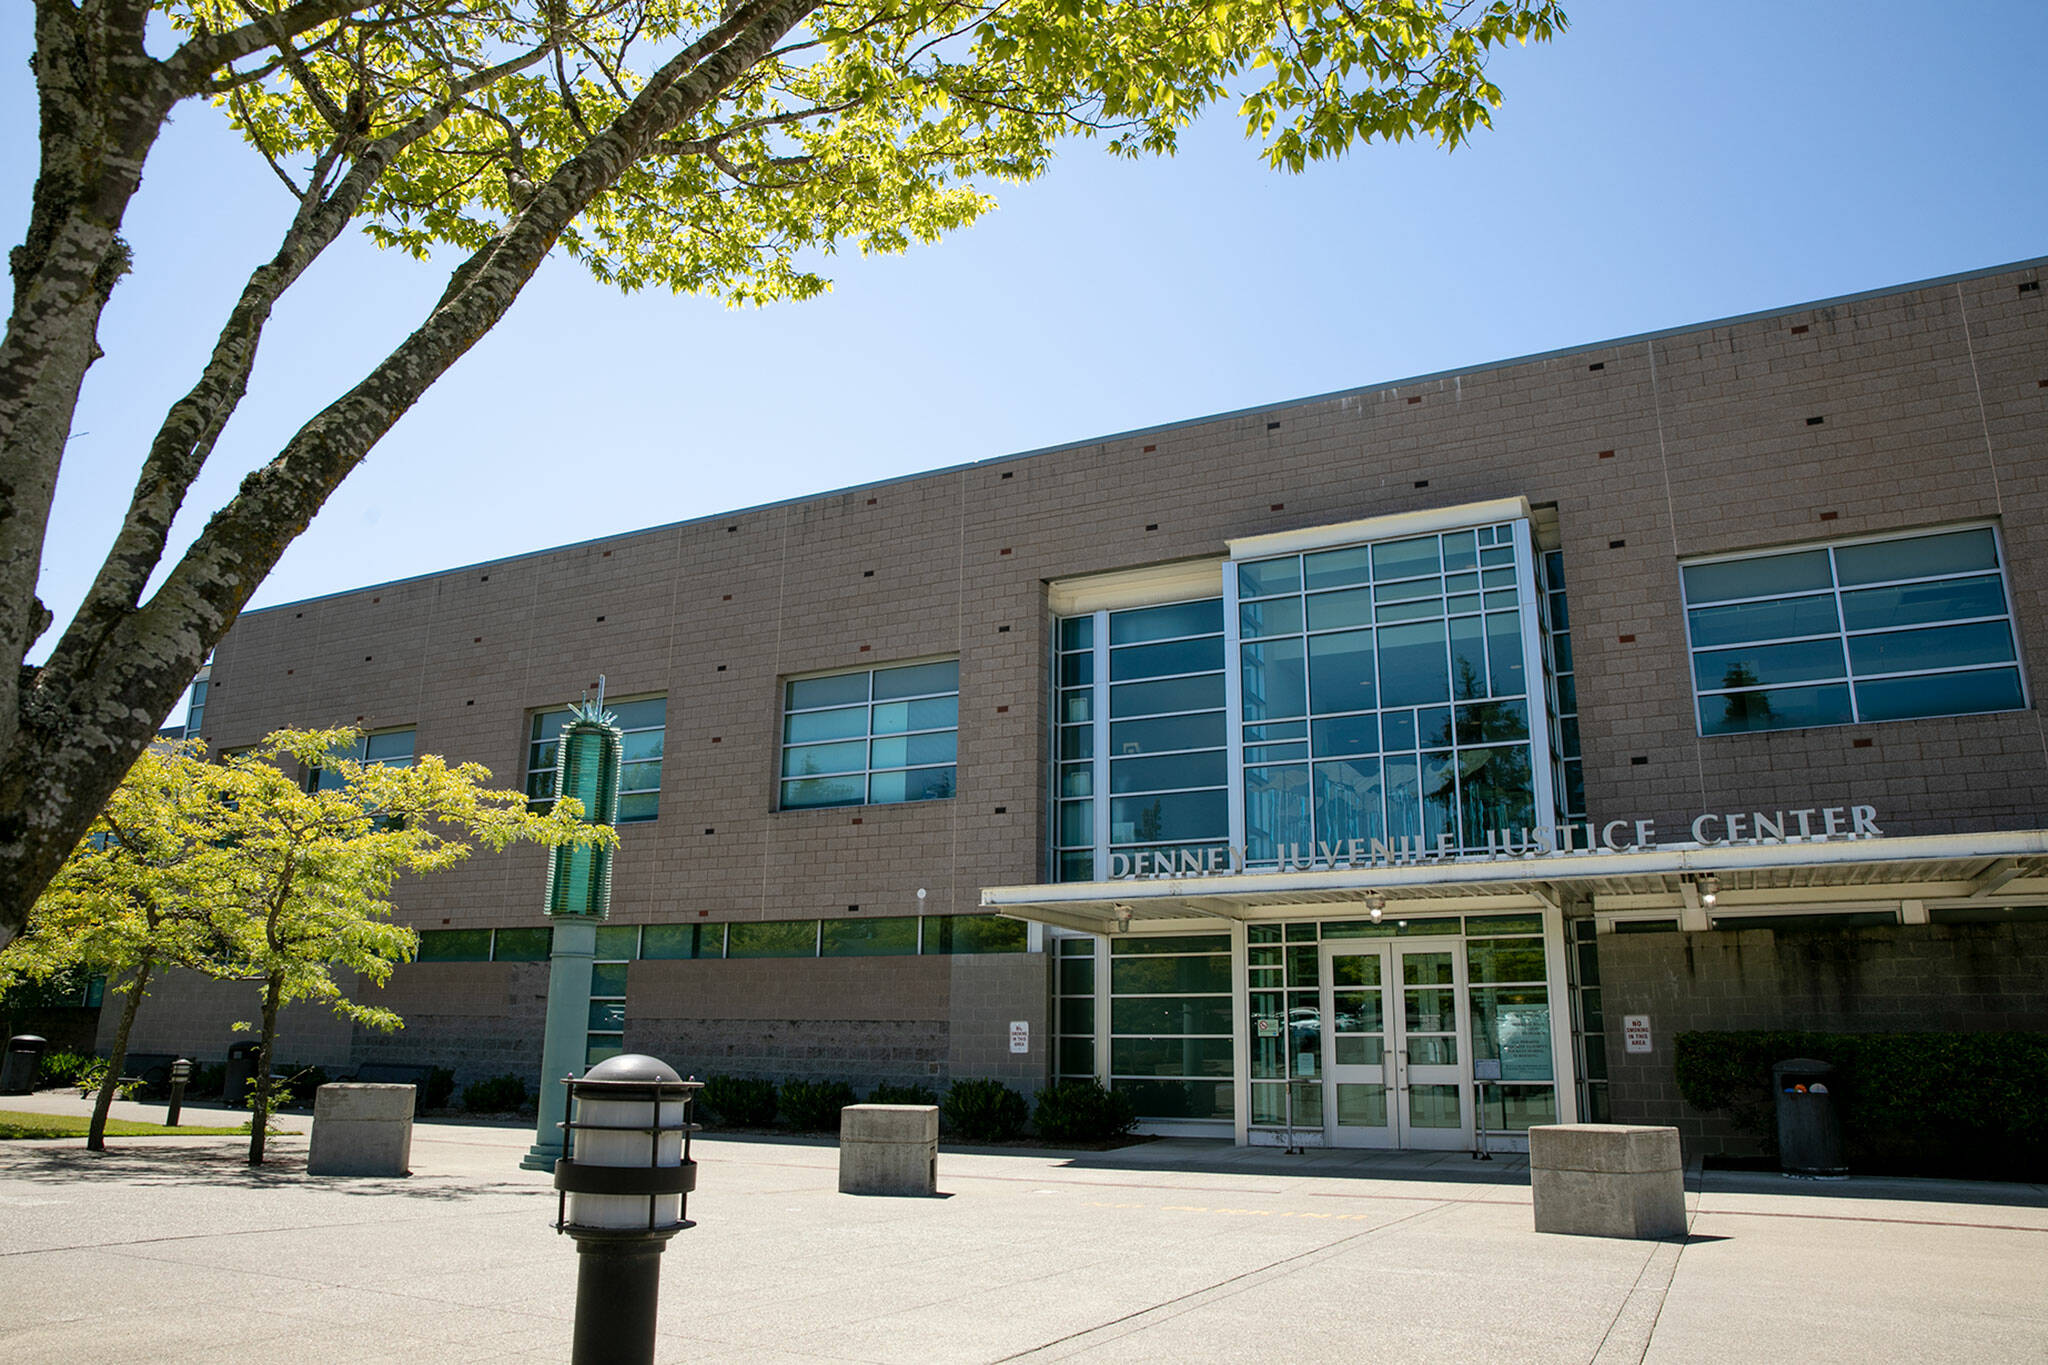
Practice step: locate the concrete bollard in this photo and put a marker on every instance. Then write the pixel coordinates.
(889, 1149)
(1607, 1180)
(361, 1130)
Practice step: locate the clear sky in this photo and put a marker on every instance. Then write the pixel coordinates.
(1661, 164)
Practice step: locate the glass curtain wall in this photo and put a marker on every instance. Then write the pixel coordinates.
(1169, 1025)
(1142, 740)
(1386, 696)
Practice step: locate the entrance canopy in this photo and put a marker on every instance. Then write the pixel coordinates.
(1693, 884)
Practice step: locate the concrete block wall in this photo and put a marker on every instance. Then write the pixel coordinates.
(1923, 978)
(1933, 408)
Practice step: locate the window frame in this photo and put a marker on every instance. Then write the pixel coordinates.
(868, 771)
(1842, 634)
(310, 778)
(544, 803)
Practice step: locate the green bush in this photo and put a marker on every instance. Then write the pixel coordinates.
(1080, 1110)
(739, 1101)
(437, 1089)
(206, 1081)
(497, 1095)
(93, 1074)
(1973, 1105)
(62, 1068)
(984, 1111)
(295, 1085)
(886, 1093)
(813, 1106)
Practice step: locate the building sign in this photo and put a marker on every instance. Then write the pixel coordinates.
(1635, 1032)
(1813, 825)
(1020, 1035)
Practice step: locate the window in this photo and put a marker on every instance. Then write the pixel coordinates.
(1141, 732)
(642, 725)
(1386, 694)
(870, 738)
(1891, 628)
(387, 749)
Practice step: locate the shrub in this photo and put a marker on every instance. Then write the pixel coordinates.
(1958, 1104)
(437, 1089)
(886, 1093)
(1080, 1110)
(984, 1111)
(62, 1068)
(739, 1101)
(207, 1080)
(498, 1095)
(813, 1106)
(295, 1085)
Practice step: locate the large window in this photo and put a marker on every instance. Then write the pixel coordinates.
(1143, 763)
(1867, 630)
(641, 723)
(1169, 1025)
(385, 749)
(1386, 695)
(874, 737)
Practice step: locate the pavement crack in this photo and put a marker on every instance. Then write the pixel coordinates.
(1231, 1283)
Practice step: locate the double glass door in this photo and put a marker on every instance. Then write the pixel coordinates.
(1396, 1070)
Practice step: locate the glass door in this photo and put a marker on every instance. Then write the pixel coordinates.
(1395, 1073)
(1432, 1070)
(1357, 1050)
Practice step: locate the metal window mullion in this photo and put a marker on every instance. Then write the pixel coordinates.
(1541, 779)
(1099, 733)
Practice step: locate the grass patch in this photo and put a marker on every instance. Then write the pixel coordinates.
(15, 1124)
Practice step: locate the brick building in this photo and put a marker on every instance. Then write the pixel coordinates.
(1323, 765)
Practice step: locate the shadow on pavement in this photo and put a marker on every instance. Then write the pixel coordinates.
(226, 1165)
(1919, 1189)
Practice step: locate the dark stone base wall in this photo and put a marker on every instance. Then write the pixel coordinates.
(861, 1052)
(905, 1020)
(1927, 978)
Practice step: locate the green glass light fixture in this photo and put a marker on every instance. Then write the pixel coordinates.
(587, 758)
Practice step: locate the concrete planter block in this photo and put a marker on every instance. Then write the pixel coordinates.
(361, 1130)
(889, 1149)
(1607, 1180)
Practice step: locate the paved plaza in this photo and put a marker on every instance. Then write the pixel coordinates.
(173, 1250)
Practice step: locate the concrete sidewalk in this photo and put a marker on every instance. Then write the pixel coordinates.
(172, 1249)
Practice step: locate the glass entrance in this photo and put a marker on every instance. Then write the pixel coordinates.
(1394, 1069)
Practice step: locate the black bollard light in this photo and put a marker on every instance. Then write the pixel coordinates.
(624, 1190)
(181, 1072)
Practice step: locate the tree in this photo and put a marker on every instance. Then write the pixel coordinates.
(715, 148)
(122, 907)
(239, 870)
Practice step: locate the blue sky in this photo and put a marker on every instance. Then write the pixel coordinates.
(1661, 164)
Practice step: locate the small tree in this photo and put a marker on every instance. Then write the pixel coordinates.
(245, 873)
(121, 905)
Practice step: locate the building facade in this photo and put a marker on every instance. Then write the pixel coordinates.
(1378, 768)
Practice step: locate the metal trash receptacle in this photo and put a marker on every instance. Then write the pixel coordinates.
(241, 1070)
(1809, 1121)
(24, 1059)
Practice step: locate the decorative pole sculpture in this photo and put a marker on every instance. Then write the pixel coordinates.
(587, 757)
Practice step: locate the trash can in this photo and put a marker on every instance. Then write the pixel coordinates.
(1809, 1125)
(24, 1060)
(241, 1070)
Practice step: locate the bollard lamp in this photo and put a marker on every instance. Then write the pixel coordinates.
(181, 1073)
(623, 1188)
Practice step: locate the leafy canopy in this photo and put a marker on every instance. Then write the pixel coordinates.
(236, 869)
(873, 123)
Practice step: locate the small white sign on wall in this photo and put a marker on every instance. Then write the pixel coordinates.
(1020, 1035)
(1635, 1032)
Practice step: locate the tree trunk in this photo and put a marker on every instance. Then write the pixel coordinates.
(96, 1135)
(259, 1105)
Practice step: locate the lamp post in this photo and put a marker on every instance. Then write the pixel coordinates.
(579, 898)
(624, 1191)
(181, 1072)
